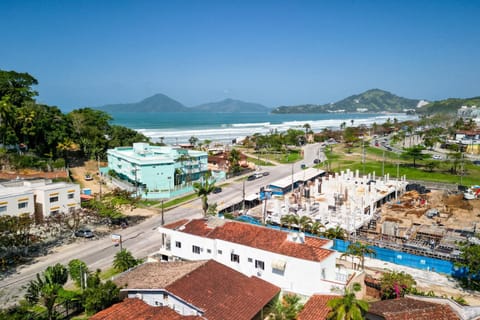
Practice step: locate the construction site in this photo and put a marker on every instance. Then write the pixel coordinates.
(384, 212)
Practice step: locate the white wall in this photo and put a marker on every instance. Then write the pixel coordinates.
(158, 298)
(11, 201)
(300, 276)
(61, 190)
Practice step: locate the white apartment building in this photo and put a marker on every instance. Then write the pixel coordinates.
(45, 198)
(15, 201)
(291, 261)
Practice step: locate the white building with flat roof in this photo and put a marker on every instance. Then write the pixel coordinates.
(291, 261)
(15, 201)
(44, 197)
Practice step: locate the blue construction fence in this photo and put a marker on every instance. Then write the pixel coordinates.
(389, 255)
(408, 259)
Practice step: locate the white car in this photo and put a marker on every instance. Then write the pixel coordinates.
(437, 157)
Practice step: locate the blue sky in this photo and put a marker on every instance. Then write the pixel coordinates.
(90, 53)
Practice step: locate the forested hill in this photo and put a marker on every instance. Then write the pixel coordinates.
(448, 105)
(155, 103)
(374, 100)
(231, 106)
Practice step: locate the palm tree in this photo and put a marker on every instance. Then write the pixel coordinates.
(289, 220)
(304, 222)
(286, 308)
(347, 307)
(47, 287)
(124, 260)
(317, 228)
(335, 233)
(364, 250)
(203, 190)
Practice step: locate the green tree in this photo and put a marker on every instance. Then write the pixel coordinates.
(289, 220)
(415, 153)
(234, 158)
(203, 189)
(347, 307)
(47, 287)
(304, 223)
(470, 261)
(286, 308)
(359, 250)
(396, 284)
(335, 233)
(18, 86)
(77, 269)
(317, 228)
(124, 260)
(98, 295)
(193, 141)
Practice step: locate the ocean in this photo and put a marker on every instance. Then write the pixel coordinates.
(174, 128)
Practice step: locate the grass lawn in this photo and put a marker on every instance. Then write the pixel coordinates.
(259, 162)
(176, 201)
(290, 157)
(109, 273)
(374, 160)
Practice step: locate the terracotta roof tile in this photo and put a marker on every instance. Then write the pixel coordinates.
(407, 308)
(176, 224)
(156, 275)
(135, 309)
(316, 307)
(261, 238)
(224, 293)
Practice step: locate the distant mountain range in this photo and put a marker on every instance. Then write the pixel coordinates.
(231, 106)
(374, 100)
(163, 103)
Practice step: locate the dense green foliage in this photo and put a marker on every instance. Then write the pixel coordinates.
(448, 105)
(348, 307)
(124, 260)
(396, 284)
(45, 132)
(286, 308)
(374, 100)
(470, 260)
(99, 295)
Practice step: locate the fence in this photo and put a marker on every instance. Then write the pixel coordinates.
(406, 259)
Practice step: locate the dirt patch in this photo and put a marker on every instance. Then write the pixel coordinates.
(91, 168)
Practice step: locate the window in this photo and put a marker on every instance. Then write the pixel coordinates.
(209, 251)
(178, 244)
(235, 258)
(22, 205)
(3, 209)
(70, 195)
(259, 264)
(220, 251)
(196, 249)
(250, 260)
(53, 199)
(54, 212)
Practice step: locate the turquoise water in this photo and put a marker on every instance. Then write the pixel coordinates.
(224, 127)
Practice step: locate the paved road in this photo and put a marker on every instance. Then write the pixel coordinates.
(141, 239)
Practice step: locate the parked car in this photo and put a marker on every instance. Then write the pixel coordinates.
(303, 166)
(476, 162)
(316, 161)
(84, 233)
(217, 190)
(437, 157)
(251, 177)
(258, 175)
(265, 173)
(88, 177)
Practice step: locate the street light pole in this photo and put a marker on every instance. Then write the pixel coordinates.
(292, 177)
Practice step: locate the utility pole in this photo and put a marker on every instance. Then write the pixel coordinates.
(243, 197)
(383, 164)
(163, 220)
(292, 177)
(363, 153)
(100, 181)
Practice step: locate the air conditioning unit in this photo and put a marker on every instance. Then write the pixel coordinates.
(259, 272)
(139, 296)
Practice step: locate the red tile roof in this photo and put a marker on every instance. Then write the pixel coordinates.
(259, 237)
(224, 293)
(407, 308)
(316, 307)
(135, 309)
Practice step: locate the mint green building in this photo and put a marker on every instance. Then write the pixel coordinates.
(156, 172)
